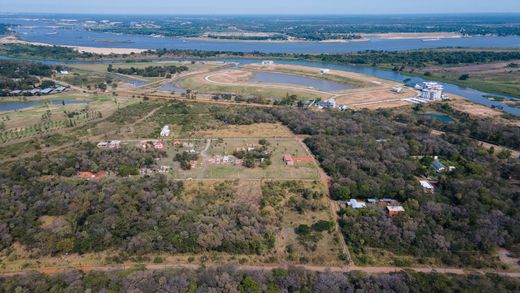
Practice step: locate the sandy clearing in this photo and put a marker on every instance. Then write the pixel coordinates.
(93, 50)
(402, 36)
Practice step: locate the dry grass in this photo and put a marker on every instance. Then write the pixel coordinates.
(253, 130)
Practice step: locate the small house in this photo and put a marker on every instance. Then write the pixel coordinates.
(102, 144)
(394, 210)
(46, 91)
(427, 186)
(59, 89)
(355, 204)
(158, 145)
(397, 90)
(324, 71)
(288, 160)
(164, 169)
(372, 200)
(114, 144)
(438, 166)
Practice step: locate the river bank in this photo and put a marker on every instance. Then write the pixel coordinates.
(82, 49)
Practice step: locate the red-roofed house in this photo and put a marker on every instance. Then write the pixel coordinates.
(290, 161)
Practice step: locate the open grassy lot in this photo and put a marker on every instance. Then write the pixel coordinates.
(200, 85)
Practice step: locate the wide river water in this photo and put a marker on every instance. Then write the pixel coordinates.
(44, 31)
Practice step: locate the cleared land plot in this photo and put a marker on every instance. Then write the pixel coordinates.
(206, 169)
(368, 92)
(254, 130)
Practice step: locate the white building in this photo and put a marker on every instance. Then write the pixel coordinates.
(267, 62)
(427, 186)
(114, 144)
(355, 204)
(324, 71)
(431, 91)
(397, 90)
(165, 131)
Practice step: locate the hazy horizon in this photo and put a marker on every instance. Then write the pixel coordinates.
(266, 7)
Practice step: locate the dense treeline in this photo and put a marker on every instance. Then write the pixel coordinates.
(481, 129)
(321, 28)
(85, 158)
(21, 75)
(50, 215)
(44, 52)
(370, 154)
(149, 71)
(231, 279)
(420, 57)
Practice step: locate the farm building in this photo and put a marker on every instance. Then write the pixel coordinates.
(291, 161)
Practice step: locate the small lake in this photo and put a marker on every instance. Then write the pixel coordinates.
(12, 106)
(315, 83)
(170, 87)
(133, 82)
(439, 117)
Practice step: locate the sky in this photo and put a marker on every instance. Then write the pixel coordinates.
(259, 7)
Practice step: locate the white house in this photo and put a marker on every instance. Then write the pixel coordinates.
(427, 186)
(165, 131)
(114, 144)
(397, 90)
(355, 204)
(324, 71)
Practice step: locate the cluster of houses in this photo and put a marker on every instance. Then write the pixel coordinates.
(247, 148)
(148, 171)
(155, 144)
(327, 104)
(114, 144)
(38, 92)
(291, 161)
(428, 92)
(224, 160)
(393, 206)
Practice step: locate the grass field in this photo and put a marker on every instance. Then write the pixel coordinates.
(225, 147)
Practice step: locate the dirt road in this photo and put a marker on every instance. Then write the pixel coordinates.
(346, 269)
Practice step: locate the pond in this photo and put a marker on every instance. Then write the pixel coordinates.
(170, 87)
(439, 117)
(12, 106)
(315, 83)
(133, 82)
